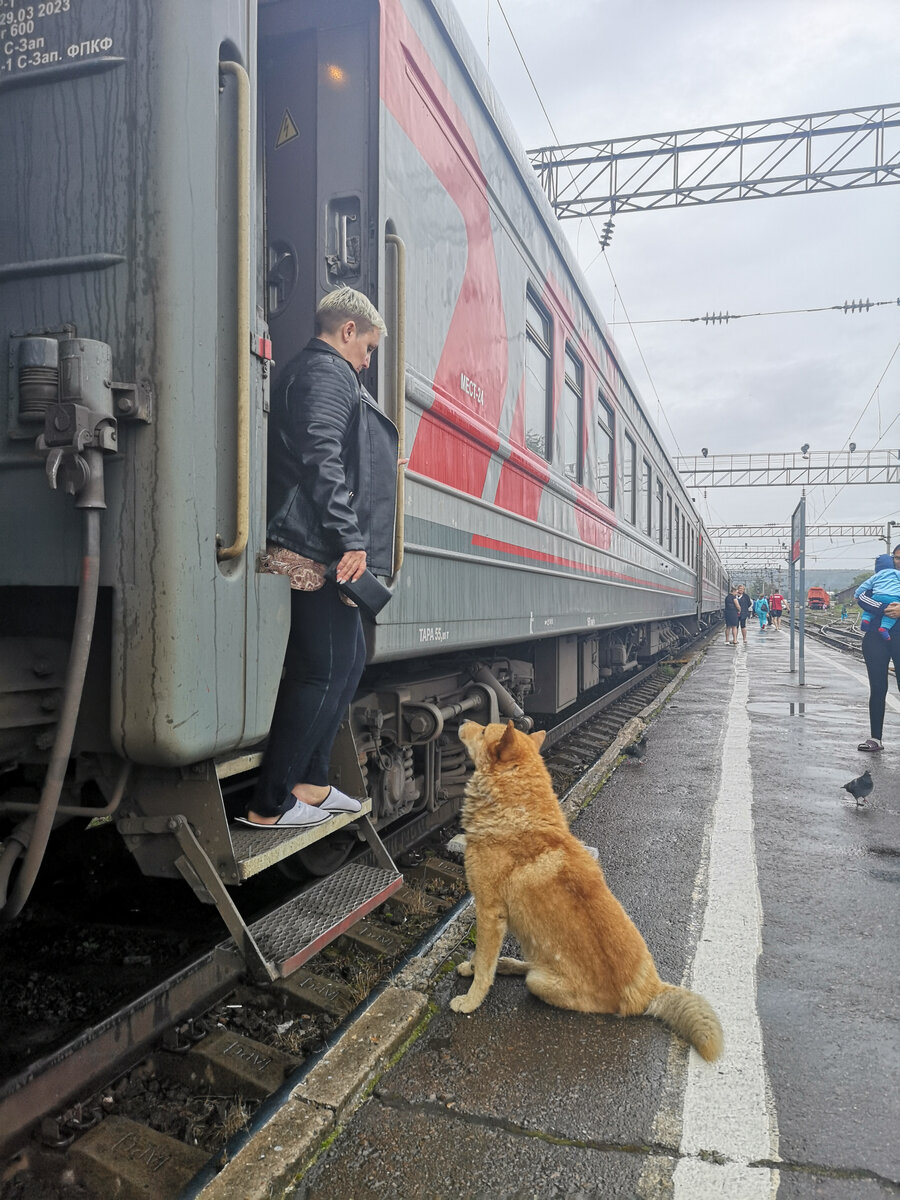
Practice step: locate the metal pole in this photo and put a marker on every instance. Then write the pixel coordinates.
(793, 614)
(802, 655)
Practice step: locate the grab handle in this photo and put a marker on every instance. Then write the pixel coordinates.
(400, 392)
(242, 487)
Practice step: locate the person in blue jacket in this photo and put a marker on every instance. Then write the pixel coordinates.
(761, 608)
(878, 653)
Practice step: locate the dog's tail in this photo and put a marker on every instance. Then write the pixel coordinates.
(691, 1017)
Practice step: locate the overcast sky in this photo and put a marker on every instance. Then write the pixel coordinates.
(614, 68)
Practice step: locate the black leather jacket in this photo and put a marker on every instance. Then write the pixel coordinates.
(332, 463)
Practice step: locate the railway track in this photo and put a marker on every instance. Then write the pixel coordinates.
(175, 1072)
(841, 636)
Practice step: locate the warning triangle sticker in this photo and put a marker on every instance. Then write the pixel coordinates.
(288, 130)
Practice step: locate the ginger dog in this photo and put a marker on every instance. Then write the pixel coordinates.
(530, 875)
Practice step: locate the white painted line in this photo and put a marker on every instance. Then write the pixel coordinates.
(892, 701)
(729, 1116)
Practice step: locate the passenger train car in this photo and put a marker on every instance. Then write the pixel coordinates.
(181, 183)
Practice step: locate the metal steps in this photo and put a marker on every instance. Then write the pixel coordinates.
(299, 929)
(256, 849)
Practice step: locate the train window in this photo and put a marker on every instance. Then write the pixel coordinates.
(658, 525)
(647, 497)
(668, 522)
(677, 547)
(538, 376)
(605, 444)
(572, 417)
(684, 545)
(629, 478)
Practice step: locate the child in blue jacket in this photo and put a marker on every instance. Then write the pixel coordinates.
(883, 587)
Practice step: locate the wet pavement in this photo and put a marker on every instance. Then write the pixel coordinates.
(755, 879)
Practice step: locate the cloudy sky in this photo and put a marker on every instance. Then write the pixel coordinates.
(615, 68)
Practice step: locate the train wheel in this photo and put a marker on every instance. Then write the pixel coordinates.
(322, 858)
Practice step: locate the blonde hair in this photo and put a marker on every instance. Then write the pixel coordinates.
(346, 304)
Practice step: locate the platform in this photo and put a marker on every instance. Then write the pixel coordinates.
(757, 881)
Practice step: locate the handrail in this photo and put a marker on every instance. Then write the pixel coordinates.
(400, 394)
(242, 498)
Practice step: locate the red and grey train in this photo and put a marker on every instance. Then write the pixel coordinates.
(181, 184)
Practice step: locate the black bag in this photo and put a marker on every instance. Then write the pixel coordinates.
(367, 592)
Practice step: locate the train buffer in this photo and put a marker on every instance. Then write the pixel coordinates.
(167, 844)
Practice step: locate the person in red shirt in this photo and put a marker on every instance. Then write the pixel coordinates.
(776, 607)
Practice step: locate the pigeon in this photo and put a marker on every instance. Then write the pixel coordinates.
(637, 749)
(860, 787)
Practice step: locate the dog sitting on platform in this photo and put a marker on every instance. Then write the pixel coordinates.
(530, 875)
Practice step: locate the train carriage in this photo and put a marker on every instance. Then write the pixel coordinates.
(187, 181)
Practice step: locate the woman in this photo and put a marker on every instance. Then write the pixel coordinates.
(761, 608)
(332, 496)
(879, 652)
(732, 617)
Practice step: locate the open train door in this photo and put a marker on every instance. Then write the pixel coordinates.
(318, 72)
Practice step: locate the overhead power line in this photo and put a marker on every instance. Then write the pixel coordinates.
(722, 318)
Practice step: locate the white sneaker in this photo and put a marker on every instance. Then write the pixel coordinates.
(300, 815)
(337, 801)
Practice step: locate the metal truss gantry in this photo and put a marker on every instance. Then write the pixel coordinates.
(838, 468)
(751, 160)
(783, 532)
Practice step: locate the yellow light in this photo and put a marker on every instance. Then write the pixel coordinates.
(335, 73)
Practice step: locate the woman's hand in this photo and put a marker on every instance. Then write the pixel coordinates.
(893, 609)
(351, 566)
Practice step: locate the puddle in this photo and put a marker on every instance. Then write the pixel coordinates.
(800, 708)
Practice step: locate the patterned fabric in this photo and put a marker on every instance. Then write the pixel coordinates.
(305, 574)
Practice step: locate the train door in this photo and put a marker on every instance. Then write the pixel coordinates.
(319, 112)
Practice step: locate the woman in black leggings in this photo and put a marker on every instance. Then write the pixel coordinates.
(878, 653)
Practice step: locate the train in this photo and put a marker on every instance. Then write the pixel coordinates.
(817, 598)
(182, 184)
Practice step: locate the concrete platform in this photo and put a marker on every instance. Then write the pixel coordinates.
(754, 879)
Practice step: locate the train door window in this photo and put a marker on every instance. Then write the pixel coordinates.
(573, 417)
(658, 517)
(629, 478)
(668, 522)
(605, 444)
(684, 546)
(647, 498)
(538, 377)
(677, 547)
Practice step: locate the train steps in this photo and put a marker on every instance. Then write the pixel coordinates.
(184, 832)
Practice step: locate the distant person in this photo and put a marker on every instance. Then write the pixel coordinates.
(879, 651)
(332, 496)
(844, 608)
(769, 618)
(761, 608)
(732, 617)
(776, 608)
(746, 604)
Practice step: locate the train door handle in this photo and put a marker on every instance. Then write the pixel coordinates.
(242, 485)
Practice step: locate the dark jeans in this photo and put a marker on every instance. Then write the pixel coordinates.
(878, 653)
(325, 656)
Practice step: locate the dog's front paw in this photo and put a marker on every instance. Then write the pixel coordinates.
(465, 1003)
(465, 968)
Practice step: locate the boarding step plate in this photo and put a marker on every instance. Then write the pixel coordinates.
(299, 929)
(258, 848)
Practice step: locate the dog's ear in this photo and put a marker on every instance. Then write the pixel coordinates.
(506, 747)
(538, 737)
